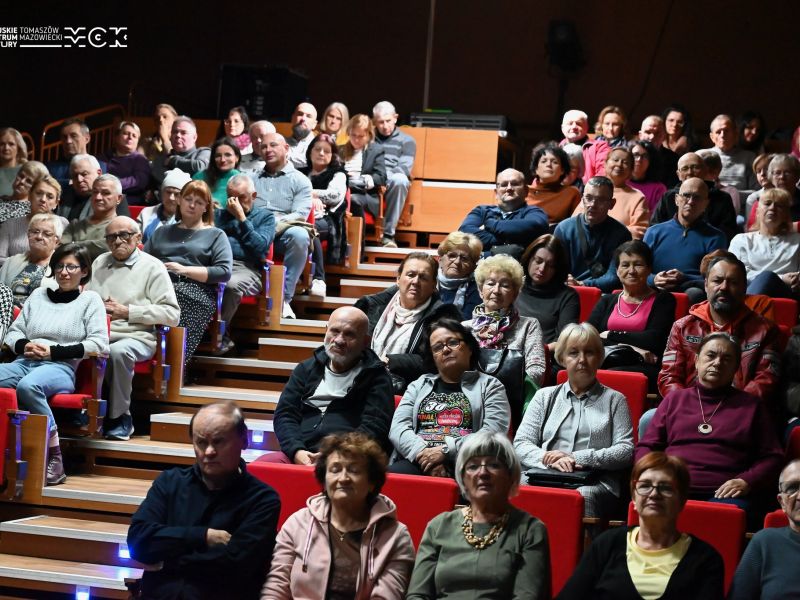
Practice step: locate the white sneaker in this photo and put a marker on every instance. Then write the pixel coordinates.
(318, 288)
(287, 313)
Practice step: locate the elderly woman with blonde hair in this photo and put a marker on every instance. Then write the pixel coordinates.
(13, 154)
(497, 324)
(458, 256)
(579, 425)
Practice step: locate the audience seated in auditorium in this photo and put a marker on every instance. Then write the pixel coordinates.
(76, 198)
(159, 144)
(23, 272)
(184, 155)
(576, 164)
(713, 165)
(591, 237)
(75, 138)
(652, 130)
(364, 164)
(211, 526)
(459, 254)
(442, 409)
(128, 164)
(580, 424)
(236, 126)
(680, 244)
(138, 295)
(638, 318)
(725, 435)
(725, 310)
(54, 331)
(783, 172)
(736, 162)
(550, 165)
(761, 170)
(90, 232)
(347, 541)
(510, 225)
(768, 569)
(752, 131)
(771, 253)
(399, 151)
(398, 315)
(334, 120)
(286, 192)
(225, 158)
(610, 126)
(646, 174)
(198, 258)
(630, 205)
(13, 154)
(545, 295)
(575, 127)
(152, 217)
(250, 230)
(252, 163)
(304, 122)
(343, 387)
(506, 554)
(719, 212)
(679, 133)
(652, 559)
(17, 203)
(44, 198)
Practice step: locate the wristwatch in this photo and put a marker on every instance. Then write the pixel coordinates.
(445, 449)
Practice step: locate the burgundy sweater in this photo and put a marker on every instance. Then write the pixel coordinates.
(742, 445)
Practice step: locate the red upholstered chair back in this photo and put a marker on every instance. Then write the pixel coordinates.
(721, 525)
(681, 304)
(793, 445)
(785, 311)
(294, 483)
(135, 210)
(8, 401)
(562, 513)
(777, 518)
(419, 499)
(631, 385)
(588, 297)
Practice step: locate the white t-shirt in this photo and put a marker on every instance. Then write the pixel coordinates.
(333, 386)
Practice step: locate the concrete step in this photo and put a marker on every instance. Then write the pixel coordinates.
(246, 398)
(287, 349)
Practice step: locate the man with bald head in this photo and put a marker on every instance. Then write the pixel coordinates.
(209, 527)
(510, 225)
(737, 169)
(652, 130)
(343, 387)
(719, 212)
(253, 162)
(285, 191)
(304, 122)
(185, 155)
(138, 295)
(680, 244)
(575, 127)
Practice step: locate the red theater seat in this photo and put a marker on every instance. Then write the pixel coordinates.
(294, 483)
(681, 304)
(588, 297)
(721, 525)
(793, 445)
(777, 518)
(419, 499)
(562, 513)
(785, 311)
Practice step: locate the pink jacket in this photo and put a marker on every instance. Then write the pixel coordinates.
(301, 562)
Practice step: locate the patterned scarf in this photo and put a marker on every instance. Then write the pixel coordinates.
(242, 140)
(489, 327)
(459, 284)
(393, 330)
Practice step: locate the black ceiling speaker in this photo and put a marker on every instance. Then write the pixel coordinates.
(564, 50)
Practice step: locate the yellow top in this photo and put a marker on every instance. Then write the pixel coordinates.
(651, 569)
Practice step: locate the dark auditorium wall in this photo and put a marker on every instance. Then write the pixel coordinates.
(488, 56)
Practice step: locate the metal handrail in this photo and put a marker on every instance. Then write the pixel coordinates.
(31, 145)
(102, 122)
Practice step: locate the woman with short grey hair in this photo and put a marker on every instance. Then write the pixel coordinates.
(459, 254)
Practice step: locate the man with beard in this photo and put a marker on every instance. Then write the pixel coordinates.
(510, 225)
(304, 121)
(725, 310)
(343, 387)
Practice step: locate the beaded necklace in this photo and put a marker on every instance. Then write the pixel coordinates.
(490, 538)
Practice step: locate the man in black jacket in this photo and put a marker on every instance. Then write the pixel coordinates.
(209, 529)
(343, 387)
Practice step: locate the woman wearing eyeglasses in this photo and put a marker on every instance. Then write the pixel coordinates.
(488, 549)
(197, 256)
(440, 410)
(458, 256)
(654, 559)
(23, 273)
(54, 331)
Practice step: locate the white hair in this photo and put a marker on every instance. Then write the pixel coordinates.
(84, 157)
(113, 179)
(269, 127)
(383, 107)
(573, 114)
(53, 219)
(244, 179)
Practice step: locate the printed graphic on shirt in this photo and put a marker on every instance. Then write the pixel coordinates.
(444, 414)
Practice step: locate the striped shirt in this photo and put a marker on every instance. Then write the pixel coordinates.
(287, 193)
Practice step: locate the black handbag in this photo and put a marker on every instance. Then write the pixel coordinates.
(508, 366)
(559, 479)
(621, 355)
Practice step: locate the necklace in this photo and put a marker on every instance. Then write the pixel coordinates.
(193, 230)
(340, 534)
(705, 427)
(635, 310)
(490, 538)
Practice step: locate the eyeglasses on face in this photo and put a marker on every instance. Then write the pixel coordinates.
(645, 488)
(452, 343)
(690, 197)
(458, 256)
(590, 200)
(790, 489)
(125, 236)
(493, 466)
(45, 234)
(68, 267)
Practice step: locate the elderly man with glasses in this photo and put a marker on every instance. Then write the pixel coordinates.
(138, 295)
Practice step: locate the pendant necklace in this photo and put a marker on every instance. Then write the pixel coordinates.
(705, 427)
(634, 311)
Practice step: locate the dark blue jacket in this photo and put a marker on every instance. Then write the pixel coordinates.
(601, 241)
(520, 226)
(250, 240)
(471, 300)
(170, 527)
